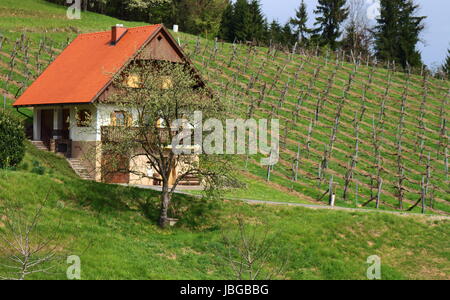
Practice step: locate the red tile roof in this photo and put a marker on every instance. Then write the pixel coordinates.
(85, 67)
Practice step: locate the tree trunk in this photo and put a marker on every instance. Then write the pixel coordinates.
(165, 202)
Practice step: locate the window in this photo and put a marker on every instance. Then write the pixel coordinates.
(84, 118)
(121, 118)
(132, 81)
(166, 82)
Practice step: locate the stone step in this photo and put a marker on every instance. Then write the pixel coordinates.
(39, 145)
(79, 168)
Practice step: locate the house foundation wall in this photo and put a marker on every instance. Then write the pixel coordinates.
(89, 153)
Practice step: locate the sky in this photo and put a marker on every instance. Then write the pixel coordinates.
(435, 37)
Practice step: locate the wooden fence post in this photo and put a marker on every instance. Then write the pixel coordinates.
(331, 191)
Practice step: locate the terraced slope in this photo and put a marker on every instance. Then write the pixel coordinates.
(327, 108)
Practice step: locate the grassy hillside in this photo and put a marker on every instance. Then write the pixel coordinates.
(114, 232)
(105, 225)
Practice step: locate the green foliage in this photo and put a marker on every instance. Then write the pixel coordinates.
(398, 32)
(331, 15)
(194, 16)
(37, 168)
(244, 21)
(300, 23)
(12, 138)
(226, 31)
(446, 66)
(357, 39)
(201, 17)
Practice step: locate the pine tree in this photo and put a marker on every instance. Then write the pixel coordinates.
(398, 31)
(331, 15)
(257, 24)
(299, 22)
(226, 26)
(242, 19)
(287, 37)
(276, 32)
(446, 66)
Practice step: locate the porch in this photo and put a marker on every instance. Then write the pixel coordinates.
(51, 126)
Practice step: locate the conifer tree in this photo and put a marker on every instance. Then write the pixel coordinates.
(276, 32)
(446, 66)
(257, 24)
(356, 39)
(226, 26)
(331, 15)
(242, 19)
(398, 32)
(287, 37)
(300, 23)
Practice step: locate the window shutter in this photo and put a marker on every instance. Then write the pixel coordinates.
(113, 119)
(129, 119)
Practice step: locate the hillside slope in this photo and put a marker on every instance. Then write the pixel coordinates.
(106, 226)
(328, 108)
(323, 103)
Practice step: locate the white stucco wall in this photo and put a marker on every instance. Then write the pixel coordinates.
(101, 116)
(83, 134)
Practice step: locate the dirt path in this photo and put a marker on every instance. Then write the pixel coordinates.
(185, 191)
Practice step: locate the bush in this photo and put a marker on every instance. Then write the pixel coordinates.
(37, 168)
(12, 140)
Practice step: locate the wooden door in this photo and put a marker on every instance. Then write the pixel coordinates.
(46, 126)
(114, 169)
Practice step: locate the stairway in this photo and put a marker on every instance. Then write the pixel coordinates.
(40, 145)
(76, 164)
(79, 168)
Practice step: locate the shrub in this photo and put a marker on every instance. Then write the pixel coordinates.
(12, 140)
(37, 168)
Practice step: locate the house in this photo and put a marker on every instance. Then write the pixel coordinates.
(70, 91)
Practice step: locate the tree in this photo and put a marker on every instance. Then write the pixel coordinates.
(199, 16)
(158, 106)
(257, 25)
(226, 31)
(242, 20)
(331, 15)
(357, 34)
(398, 32)
(300, 23)
(251, 253)
(275, 32)
(357, 39)
(12, 140)
(288, 37)
(446, 66)
(25, 249)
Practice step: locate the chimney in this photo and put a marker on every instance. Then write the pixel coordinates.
(117, 32)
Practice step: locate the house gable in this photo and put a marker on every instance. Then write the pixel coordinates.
(162, 47)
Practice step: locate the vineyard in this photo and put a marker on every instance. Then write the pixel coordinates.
(372, 136)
